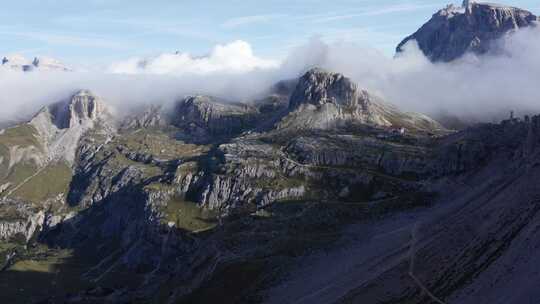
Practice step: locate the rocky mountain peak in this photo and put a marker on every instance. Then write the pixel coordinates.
(82, 108)
(61, 125)
(473, 27)
(318, 87)
(326, 100)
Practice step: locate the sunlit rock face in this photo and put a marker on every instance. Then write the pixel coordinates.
(473, 27)
(61, 125)
(84, 107)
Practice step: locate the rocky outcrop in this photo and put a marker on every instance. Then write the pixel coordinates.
(60, 126)
(325, 100)
(83, 108)
(28, 155)
(25, 228)
(208, 116)
(318, 87)
(367, 154)
(474, 147)
(473, 27)
(151, 117)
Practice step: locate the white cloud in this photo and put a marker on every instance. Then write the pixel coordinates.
(235, 57)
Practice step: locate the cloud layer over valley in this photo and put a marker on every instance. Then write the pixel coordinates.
(471, 88)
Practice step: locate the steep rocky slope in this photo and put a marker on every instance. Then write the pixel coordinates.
(474, 27)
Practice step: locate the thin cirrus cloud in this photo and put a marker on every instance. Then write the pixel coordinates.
(390, 9)
(64, 39)
(248, 20)
(137, 27)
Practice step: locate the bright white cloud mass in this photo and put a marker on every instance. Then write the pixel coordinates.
(235, 57)
(472, 88)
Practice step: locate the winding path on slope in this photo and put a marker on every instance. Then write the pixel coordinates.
(26, 180)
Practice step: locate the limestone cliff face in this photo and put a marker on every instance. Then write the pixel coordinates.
(24, 228)
(61, 125)
(473, 27)
(83, 107)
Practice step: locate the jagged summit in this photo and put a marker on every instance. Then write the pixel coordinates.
(325, 100)
(20, 63)
(61, 125)
(473, 27)
(82, 108)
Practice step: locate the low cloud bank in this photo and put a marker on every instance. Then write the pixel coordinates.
(471, 88)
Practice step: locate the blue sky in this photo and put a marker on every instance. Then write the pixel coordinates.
(103, 31)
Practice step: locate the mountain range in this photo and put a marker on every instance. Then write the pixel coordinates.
(318, 191)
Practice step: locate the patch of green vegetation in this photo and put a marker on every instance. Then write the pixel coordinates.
(10, 213)
(120, 161)
(5, 248)
(4, 161)
(19, 173)
(189, 216)
(187, 167)
(279, 183)
(160, 145)
(52, 181)
(22, 136)
(158, 187)
(45, 266)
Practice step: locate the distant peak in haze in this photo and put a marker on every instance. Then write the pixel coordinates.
(472, 28)
(20, 63)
